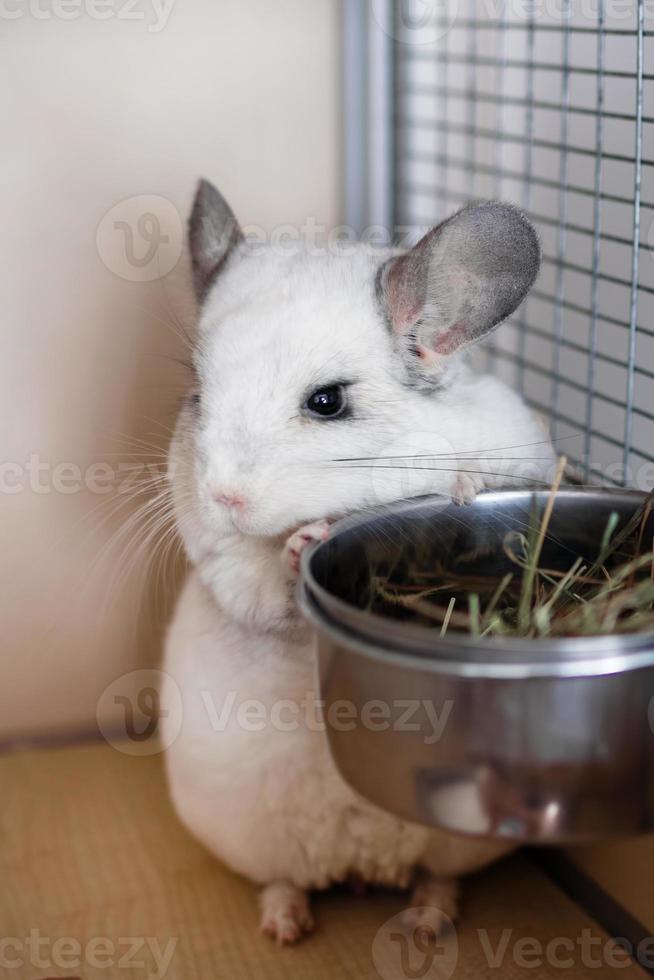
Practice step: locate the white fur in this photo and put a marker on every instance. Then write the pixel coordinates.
(270, 803)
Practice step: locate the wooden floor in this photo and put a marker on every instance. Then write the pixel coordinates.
(96, 867)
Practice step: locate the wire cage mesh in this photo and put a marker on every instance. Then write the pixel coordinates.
(549, 104)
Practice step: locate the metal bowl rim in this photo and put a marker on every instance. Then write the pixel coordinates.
(577, 652)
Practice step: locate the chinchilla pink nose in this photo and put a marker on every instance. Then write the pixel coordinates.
(229, 498)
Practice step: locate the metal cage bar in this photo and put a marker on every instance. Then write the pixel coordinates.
(555, 111)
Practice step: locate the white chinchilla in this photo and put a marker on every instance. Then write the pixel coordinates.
(312, 372)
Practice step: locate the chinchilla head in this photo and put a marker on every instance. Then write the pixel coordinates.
(307, 366)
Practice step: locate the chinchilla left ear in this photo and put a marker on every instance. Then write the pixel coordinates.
(213, 234)
(461, 280)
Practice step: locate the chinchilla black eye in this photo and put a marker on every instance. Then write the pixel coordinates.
(326, 403)
(194, 400)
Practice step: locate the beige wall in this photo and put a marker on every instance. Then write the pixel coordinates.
(94, 111)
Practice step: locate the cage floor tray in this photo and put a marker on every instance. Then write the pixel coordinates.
(92, 850)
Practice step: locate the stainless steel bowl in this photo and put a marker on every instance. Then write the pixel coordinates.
(539, 740)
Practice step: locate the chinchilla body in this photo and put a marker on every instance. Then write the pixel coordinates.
(324, 384)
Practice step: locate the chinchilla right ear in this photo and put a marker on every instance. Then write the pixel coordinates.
(458, 283)
(213, 233)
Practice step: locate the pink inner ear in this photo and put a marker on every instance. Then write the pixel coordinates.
(404, 293)
(447, 341)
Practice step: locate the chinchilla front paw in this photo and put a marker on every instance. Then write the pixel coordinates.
(466, 487)
(295, 545)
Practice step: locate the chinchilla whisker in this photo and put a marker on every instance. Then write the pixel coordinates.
(466, 452)
(162, 425)
(160, 503)
(169, 357)
(131, 442)
(144, 457)
(169, 553)
(450, 469)
(159, 508)
(510, 524)
(149, 539)
(176, 327)
(113, 504)
(182, 386)
(444, 456)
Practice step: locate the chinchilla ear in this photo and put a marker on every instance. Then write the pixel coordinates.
(461, 280)
(213, 234)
